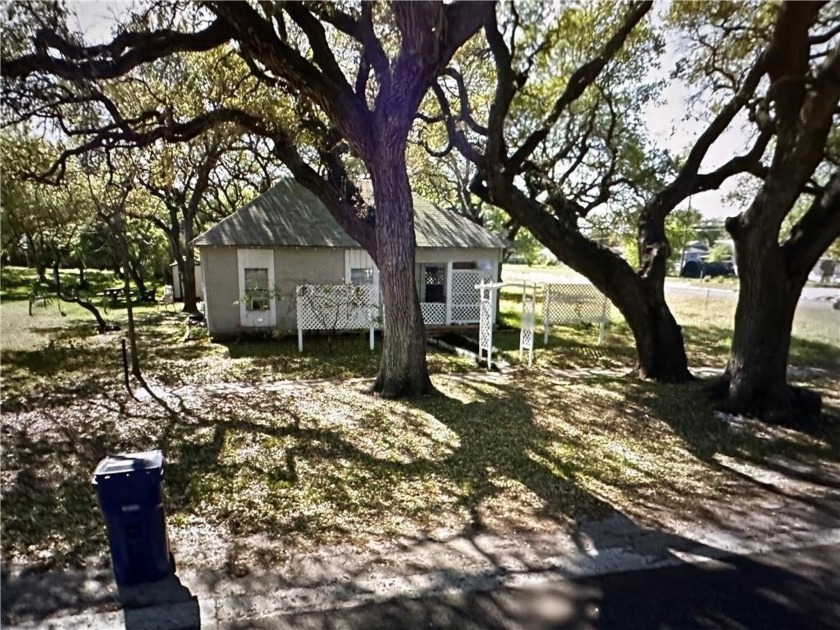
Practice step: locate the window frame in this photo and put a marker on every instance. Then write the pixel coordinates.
(368, 272)
(256, 299)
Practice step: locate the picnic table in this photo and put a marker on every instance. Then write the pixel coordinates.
(110, 296)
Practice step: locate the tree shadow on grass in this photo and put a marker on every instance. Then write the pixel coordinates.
(210, 458)
(342, 356)
(499, 438)
(755, 457)
(51, 497)
(512, 445)
(52, 361)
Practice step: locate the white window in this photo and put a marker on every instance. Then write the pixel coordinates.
(256, 289)
(359, 276)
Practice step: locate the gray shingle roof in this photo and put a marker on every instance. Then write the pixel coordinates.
(289, 215)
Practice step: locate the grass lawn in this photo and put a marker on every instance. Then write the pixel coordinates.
(267, 466)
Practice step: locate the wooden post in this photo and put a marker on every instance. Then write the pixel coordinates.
(603, 322)
(125, 364)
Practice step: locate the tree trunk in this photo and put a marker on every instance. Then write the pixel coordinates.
(755, 380)
(188, 287)
(132, 336)
(135, 271)
(403, 370)
(640, 298)
(659, 340)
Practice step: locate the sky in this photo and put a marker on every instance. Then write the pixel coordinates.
(667, 122)
(675, 130)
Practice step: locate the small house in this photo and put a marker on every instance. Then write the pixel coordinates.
(253, 261)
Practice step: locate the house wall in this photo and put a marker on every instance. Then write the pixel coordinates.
(221, 284)
(256, 259)
(294, 266)
(303, 265)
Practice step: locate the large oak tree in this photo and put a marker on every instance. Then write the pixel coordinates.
(537, 175)
(356, 75)
(800, 108)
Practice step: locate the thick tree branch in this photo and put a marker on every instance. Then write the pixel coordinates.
(816, 230)
(463, 99)
(748, 163)
(125, 52)
(824, 38)
(332, 93)
(360, 30)
(581, 79)
(457, 138)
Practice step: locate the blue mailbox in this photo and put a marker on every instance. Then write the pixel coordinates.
(129, 487)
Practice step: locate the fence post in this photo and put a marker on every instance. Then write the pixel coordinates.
(546, 313)
(125, 364)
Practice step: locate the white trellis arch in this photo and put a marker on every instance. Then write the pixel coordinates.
(487, 293)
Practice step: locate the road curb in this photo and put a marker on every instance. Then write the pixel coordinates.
(208, 612)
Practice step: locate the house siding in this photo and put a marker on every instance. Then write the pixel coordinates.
(221, 284)
(294, 266)
(304, 265)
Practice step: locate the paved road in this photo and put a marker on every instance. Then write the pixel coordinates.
(671, 286)
(797, 589)
(819, 294)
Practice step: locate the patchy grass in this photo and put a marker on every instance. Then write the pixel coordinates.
(48, 354)
(269, 465)
(19, 282)
(706, 320)
(276, 468)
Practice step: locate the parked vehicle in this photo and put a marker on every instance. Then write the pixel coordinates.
(691, 269)
(717, 269)
(699, 269)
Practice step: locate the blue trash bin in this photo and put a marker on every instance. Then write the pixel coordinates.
(130, 492)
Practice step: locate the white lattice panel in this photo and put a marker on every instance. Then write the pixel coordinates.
(336, 306)
(465, 298)
(528, 324)
(433, 313)
(574, 304)
(485, 331)
(465, 313)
